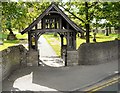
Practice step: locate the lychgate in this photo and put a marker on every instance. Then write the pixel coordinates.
(53, 19)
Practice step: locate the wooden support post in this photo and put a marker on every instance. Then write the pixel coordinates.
(42, 23)
(87, 24)
(68, 36)
(55, 23)
(36, 41)
(74, 41)
(60, 23)
(29, 41)
(62, 42)
(50, 23)
(68, 26)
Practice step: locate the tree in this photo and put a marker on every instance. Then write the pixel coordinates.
(83, 12)
(110, 12)
(16, 14)
(86, 12)
(12, 11)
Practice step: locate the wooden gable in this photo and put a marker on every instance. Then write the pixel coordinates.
(53, 9)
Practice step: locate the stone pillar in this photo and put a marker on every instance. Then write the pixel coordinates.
(33, 58)
(72, 58)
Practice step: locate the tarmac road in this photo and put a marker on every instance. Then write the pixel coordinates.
(113, 87)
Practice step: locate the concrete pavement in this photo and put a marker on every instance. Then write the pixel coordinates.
(48, 55)
(46, 78)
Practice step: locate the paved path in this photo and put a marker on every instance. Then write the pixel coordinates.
(44, 78)
(47, 54)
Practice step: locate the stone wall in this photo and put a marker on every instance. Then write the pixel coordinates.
(72, 58)
(13, 58)
(0, 72)
(33, 58)
(96, 53)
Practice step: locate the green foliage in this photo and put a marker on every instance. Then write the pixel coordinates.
(97, 10)
(13, 14)
(111, 12)
(17, 15)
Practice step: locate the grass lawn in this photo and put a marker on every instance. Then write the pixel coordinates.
(55, 41)
(8, 43)
(99, 38)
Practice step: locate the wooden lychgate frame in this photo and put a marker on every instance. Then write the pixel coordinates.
(53, 19)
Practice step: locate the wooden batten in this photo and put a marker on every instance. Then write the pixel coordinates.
(60, 23)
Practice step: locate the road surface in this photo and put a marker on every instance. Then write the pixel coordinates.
(111, 84)
(113, 87)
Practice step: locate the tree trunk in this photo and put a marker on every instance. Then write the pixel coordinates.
(11, 32)
(87, 24)
(107, 34)
(109, 30)
(11, 35)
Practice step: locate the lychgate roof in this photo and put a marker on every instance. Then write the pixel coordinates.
(47, 11)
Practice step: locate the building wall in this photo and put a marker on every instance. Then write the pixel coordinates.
(96, 53)
(13, 58)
